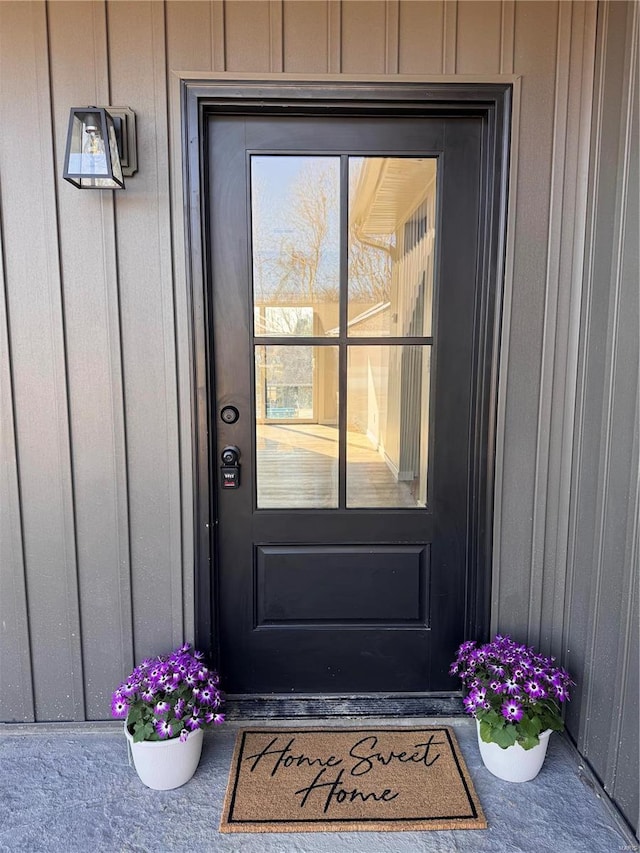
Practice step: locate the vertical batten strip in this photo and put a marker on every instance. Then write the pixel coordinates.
(590, 656)
(334, 36)
(118, 401)
(449, 37)
(625, 335)
(16, 688)
(276, 57)
(392, 45)
(52, 702)
(581, 485)
(218, 51)
(165, 257)
(507, 36)
(577, 155)
(561, 99)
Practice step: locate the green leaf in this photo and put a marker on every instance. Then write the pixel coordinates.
(494, 719)
(504, 737)
(138, 734)
(529, 728)
(528, 742)
(135, 714)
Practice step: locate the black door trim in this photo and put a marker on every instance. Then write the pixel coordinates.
(492, 102)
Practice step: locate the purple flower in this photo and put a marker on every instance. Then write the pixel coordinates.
(534, 689)
(119, 707)
(511, 686)
(179, 709)
(163, 729)
(161, 708)
(206, 695)
(194, 723)
(479, 695)
(512, 710)
(469, 704)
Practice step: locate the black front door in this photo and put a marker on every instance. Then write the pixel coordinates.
(344, 258)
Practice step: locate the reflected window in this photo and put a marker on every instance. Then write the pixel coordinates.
(296, 426)
(295, 205)
(392, 205)
(387, 426)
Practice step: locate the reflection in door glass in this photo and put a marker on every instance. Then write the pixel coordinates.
(392, 209)
(387, 426)
(296, 426)
(296, 245)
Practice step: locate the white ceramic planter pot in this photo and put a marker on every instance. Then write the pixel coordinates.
(514, 764)
(166, 764)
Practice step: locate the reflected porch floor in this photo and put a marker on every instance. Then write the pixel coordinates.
(297, 467)
(70, 789)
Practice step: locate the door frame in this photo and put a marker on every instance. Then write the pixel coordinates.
(492, 103)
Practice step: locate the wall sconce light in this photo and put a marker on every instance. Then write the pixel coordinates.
(101, 147)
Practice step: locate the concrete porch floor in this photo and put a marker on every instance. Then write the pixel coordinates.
(71, 790)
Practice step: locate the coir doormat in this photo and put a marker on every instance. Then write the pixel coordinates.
(314, 780)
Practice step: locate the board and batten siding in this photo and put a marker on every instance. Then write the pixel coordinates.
(96, 486)
(601, 610)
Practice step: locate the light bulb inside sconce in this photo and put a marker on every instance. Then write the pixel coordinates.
(94, 158)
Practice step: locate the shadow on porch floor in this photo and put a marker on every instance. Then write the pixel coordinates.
(71, 790)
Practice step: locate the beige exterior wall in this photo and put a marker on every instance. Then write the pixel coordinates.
(96, 290)
(97, 546)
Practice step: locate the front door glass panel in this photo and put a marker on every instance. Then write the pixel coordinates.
(295, 244)
(296, 426)
(343, 250)
(392, 214)
(387, 426)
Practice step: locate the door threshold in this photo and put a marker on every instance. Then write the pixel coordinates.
(277, 706)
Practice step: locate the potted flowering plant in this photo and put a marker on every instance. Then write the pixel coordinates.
(515, 695)
(166, 703)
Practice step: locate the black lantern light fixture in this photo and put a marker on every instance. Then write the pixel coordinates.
(101, 147)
